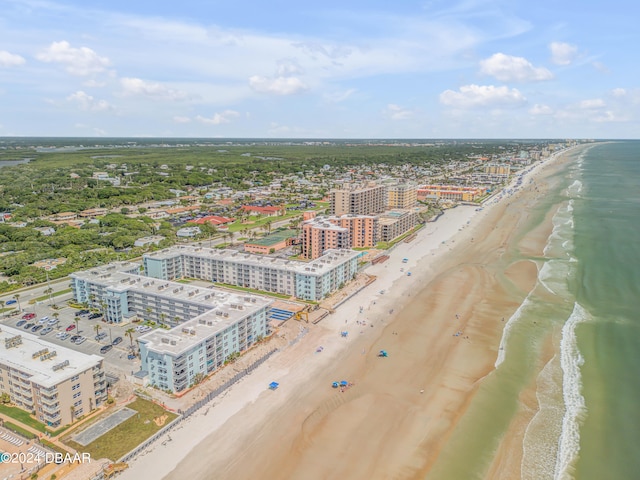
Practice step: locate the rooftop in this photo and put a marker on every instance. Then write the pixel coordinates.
(44, 363)
(227, 309)
(331, 258)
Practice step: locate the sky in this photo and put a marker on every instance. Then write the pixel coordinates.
(310, 69)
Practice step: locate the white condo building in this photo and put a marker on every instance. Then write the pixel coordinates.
(178, 358)
(53, 382)
(306, 280)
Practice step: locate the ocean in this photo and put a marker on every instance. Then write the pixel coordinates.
(574, 340)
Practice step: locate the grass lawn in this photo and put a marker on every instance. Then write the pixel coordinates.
(253, 290)
(46, 297)
(19, 430)
(129, 434)
(23, 417)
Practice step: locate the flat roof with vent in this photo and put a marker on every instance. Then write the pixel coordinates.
(185, 336)
(42, 362)
(331, 258)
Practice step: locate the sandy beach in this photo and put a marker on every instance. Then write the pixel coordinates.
(442, 328)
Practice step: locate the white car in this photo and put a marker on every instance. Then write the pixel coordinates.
(144, 328)
(52, 322)
(60, 334)
(80, 340)
(43, 320)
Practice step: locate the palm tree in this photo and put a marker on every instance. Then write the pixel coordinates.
(17, 298)
(97, 328)
(2, 305)
(229, 236)
(77, 325)
(129, 333)
(49, 291)
(56, 315)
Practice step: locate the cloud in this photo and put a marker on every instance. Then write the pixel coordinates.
(539, 109)
(396, 112)
(278, 85)
(563, 53)
(87, 102)
(474, 96)
(601, 67)
(78, 61)
(513, 69)
(219, 118)
(10, 59)
(337, 97)
(139, 87)
(618, 92)
(180, 119)
(592, 104)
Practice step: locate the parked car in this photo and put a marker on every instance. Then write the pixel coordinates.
(101, 335)
(116, 341)
(64, 336)
(29, 316)
(74, 338)
(94, 315)
(143, 328)
(105, 349)
(52, 322)
(20, 323)
(28, 326)
(10, 302)
(43, 320)
(45, 330)
(80, 340)
(71, 327)
(35, 328)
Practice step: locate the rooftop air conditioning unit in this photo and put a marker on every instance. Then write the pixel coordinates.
(165, 340)
(173, 342)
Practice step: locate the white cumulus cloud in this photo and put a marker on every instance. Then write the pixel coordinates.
(77, 61)
(219, 118)
(473, 96)
(396, 112)
(513, 69)
(278, 86)
(181, 119)
(539, 109)
(137, 86)
(563, 53)
(592, 103)
(10, 59)
(87, 102)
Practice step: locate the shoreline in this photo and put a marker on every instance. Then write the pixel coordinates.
(304, 419)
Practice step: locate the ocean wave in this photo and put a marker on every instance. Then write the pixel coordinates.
(540, 441)
(575, 408)
(575, 189)
(502, 351)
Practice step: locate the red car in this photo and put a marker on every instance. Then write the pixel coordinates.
(29, 316)
(71, 327)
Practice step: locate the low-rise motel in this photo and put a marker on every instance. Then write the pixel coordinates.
(54, 383)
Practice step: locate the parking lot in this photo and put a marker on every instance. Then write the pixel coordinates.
(115, 359)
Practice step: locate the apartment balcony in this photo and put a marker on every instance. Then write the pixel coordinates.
(52, 416)
(51, 409)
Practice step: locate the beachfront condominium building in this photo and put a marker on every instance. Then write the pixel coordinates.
(395, 223)
(304, 280)
(402, 195)
(53, 383)
(178, 358)
(324, 233)
(367, 200)
(451, 192)
(497, 168)
(320, 235)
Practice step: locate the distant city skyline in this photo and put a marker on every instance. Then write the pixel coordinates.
(284, 69)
